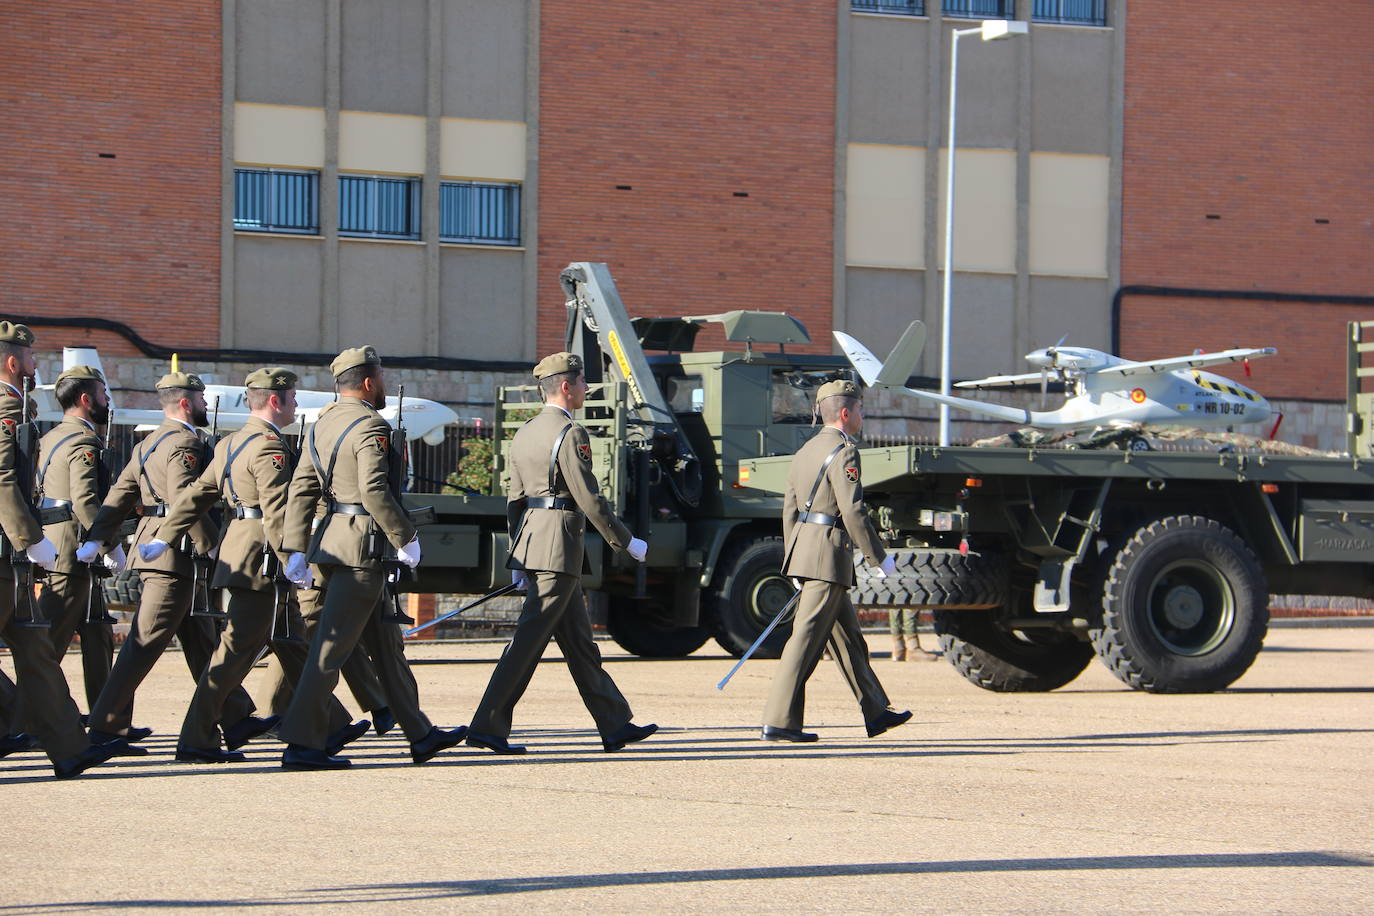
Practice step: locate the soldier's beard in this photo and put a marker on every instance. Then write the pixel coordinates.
(379, 400)
(200, 417)
(100, 414)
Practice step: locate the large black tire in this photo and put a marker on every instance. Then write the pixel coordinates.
(995, 657)
(641, 628)
(1184, 608)
(123, 590)
(748, 592)
(933, 577)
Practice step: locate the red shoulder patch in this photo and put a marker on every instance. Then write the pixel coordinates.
(584, 451)
(190, 460)
(87, 457)
(278, 461)
(8, 425)
(383, 443)
(852, 474)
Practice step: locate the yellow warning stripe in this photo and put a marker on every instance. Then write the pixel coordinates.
(1215, 386)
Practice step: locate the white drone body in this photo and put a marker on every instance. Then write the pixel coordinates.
(1106, 390)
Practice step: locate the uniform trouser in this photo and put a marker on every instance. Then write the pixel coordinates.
(358, 671)
(824, 614)
(554, 607)
(51, 713)
(66, 605)
(8, 692)
(352, 618)
(163, 612)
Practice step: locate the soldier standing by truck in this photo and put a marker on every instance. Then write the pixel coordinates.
(820, 534)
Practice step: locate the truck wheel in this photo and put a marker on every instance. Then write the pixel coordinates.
(1184, 608)
(1000, 659)
(933, 577)
(750, 590)
(639, 627)
(123, 590)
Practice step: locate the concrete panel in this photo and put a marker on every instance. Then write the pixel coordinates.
(385, 45)
(981, 307)
(984, 211)
(880, 304)
(381, 296)
(1068, 214)
(888, 79)
(988, 75)
(278, 135)
(280, 52)
(277, 293)
(488, 150)
(885, 206)
(1079, 308)
(392, 144)
(1071, 90)
(485, 46)
(482, 296)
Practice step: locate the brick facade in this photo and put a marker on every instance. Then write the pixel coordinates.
(1258, 114)
(689, 105)
(134, 238)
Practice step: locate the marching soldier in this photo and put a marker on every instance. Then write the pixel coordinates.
(552, 495)
(348, 463)
(823, 519)
(251, 472)
(69, 478)
(166, 462)
(50, 714)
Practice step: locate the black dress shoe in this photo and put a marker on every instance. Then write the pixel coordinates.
(494, 744)
(248, 728)
(794, 735)
(345, 736)
(628, 733)
(119, 745)
(296, 757)
(137, 734)
(188, 754)
(74, 766)
(383, 721)
(437, 740)
(889, 719)
(12, 744)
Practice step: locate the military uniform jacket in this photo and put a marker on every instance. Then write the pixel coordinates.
(258, 478)
(359, 477)
(551, 539)
(17, 516)
(827, 551)
(69, 469)
(171, 457)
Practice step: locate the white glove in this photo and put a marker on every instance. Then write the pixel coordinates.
(115, 560)
(298, 570)
(889, 568)
(152, 550)
(519, 579)
(87, 551)
(638, 549)
(44, 553)
(410, 553)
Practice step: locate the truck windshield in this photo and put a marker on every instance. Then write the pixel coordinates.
(794, 393)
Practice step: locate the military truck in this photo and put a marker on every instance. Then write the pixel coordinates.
(1159, 563)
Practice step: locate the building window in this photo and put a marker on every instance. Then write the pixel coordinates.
(900, 7)
(277, 200)
(980, 9)
(1071, 12)
(375, 207)
(484, 212)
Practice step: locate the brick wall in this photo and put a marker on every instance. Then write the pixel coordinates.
(1261, 114)
(134, 238)
(689, 104)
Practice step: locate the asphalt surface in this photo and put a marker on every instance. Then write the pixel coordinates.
(1089, 799)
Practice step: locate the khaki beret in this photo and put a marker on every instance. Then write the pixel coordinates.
(275, 378)
(180, 380)
(840, 386)
(16, 334)
(81, 372)
(558, 362)
(355, 356)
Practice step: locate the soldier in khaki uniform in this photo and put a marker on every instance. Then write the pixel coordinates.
(251, 472)
(50, 715)
(347, 461)
(552, 495)
(823, 519)
(162, 465)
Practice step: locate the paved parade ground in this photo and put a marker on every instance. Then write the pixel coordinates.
(1092, 798)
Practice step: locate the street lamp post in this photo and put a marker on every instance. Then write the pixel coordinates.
(990, 30)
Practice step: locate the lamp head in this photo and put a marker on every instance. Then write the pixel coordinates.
(1003, 28)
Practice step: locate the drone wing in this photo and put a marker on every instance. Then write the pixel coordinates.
(1159, 366)
(1000, 381)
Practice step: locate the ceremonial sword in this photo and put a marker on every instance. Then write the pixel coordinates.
(437, 620)
(762, 636)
